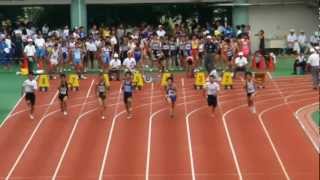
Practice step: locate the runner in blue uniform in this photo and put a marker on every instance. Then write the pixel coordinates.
(127, 88)
(171, 95)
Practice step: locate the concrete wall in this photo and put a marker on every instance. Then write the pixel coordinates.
(277, 20)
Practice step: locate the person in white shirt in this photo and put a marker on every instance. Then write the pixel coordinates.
(291, 38)
(161, 32)
(314, 61)
(130, 63)
(241, 63)
(211, 92)
(315, 39)
(91, 51)
(30, 52)
(29, 87)
(115, 66)
(40, 48)
(302, 39)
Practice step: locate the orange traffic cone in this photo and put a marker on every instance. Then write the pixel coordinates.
(271, 65)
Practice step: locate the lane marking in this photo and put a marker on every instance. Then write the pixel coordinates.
(188, 133)
(231, 144)
(115, 116)
(30, 138)
(147, 168)
(296, 114)
(72, 132)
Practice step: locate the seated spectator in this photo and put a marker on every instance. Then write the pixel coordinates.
(300, 61)
(115, 67)
(240, 64)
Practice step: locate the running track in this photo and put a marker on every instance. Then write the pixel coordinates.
(151, 146)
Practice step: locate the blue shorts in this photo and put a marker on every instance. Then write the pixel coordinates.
(76, 61)
(173, 98)
(106, 60)
(40, 52)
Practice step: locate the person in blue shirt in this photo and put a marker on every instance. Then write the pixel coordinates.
(4, 52)
(171, 95)
(127, 88)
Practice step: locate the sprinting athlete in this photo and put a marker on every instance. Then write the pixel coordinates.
(101, 90)
(63, 93)
(211, 91)
(171, 95)
(127, 88)
(250, 87)
(29, 87)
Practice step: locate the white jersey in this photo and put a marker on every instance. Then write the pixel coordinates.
(212, 88)
(30, 86)
(250, 87)
(129, 63)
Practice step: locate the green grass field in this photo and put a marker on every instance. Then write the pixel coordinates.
(316, 117)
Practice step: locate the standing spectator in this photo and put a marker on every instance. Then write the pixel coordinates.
(291, 38)
(313, 61)
(210, 50)
(161, 32)
(91, 48)
(261, 42)
(40, 49)
(3, 53)
(45, 30)
(315, 39)
(302, 39)
(30, 52)
(240, 63)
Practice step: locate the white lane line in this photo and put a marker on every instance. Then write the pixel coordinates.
(234, 155)
(14, 107)
(30, 138)
(149, 138)
(115, 116)
(188, 132)
(231, 144)
(271, 142)
(296, 114)
(12, 110)
(72, 133)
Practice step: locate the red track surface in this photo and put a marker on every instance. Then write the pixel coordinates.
(152, 146)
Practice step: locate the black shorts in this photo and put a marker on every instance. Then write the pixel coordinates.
(102, 96)
(212, 100)
(31, 97)
(61, 96)
(249, 95)
(126, 96)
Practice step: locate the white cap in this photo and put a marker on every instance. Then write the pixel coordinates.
(116, 55)
(29, 40)
(209, 37)
(317, 47)
(312, 50)
(240, 53)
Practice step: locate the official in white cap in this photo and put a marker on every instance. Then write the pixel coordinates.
(291, 38)
(115, 66)
(241, 63)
